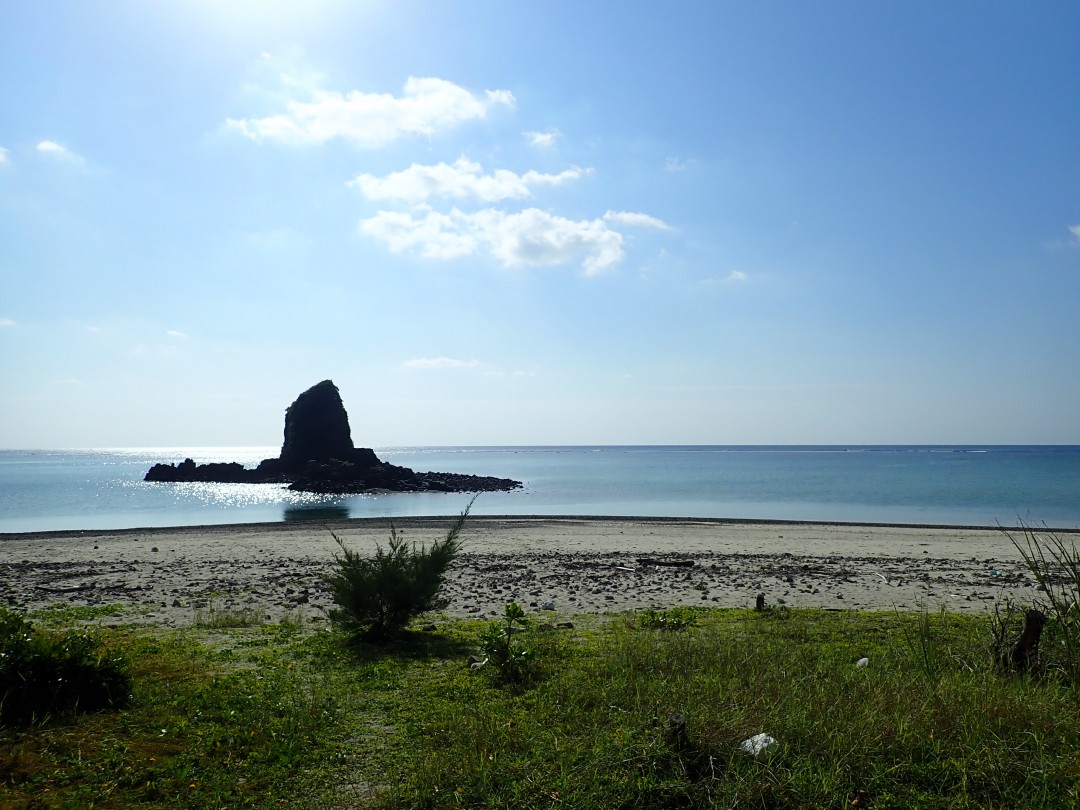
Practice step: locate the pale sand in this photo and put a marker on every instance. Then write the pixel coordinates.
(578, 565)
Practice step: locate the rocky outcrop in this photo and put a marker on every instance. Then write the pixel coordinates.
(318, 456)
(316, 428)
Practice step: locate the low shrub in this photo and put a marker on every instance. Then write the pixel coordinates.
(504, 651)
(42, 673)
(376, 596)
(679, 617)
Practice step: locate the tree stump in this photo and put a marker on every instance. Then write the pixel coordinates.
(1025, 652)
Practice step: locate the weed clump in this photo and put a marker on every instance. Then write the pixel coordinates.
(377, 596)
(1055, 566)
(42, 674)
(679, 617)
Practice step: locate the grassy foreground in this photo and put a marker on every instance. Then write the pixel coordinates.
(614, 714)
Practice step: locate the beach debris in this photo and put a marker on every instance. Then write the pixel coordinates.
(863, 663)
(674, 563)
(475, 662)
(758, 745)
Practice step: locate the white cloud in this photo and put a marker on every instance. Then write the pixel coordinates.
(426, 106)
(543, 140)
(175, 334)
(528, 238)
(7, 322)
(733, 277)
(53, 149)
(504, 97)
(440, 362)
(635, 219)
(673, 164)
(436, 236)
(4, 159)
(1075, 231)
(463, 179)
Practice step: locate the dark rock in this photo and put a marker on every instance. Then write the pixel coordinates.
(318, 456)
(316, 428)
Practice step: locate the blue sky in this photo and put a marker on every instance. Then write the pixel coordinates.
(510, 223)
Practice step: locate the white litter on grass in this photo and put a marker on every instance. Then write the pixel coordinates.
(862, 663)
(759, 744)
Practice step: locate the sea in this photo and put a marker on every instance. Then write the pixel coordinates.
(1039, 485)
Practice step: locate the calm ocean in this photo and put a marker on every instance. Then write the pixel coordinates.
(103, 489)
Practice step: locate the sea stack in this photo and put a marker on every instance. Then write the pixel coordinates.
(318, 455)
(316, 428)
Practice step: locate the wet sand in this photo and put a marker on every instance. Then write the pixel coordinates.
(556, 566)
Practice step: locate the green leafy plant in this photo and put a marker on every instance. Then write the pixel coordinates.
(44, 673)
(377, 596)
(679, 617)
(504, 650)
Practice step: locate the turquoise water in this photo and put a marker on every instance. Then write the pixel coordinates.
(103, 489)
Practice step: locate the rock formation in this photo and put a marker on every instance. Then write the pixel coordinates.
(318, 456)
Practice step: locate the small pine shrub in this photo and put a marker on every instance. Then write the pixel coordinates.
(43, 674)
(377, 596)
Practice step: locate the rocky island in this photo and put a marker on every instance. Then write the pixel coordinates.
(318, 456)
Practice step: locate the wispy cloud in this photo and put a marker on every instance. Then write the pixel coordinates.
(733, 277)
(529, 238)
(175, 334)
(439, 363)
(543, 140)
(4, 159)
(635, 219)
(425, 107)
(58, 152)
(462, 179)
(674, 164)
(7, 322)
(1075, 231)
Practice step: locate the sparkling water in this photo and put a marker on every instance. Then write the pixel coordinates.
(982, 486)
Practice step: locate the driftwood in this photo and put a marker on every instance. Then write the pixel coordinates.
(1025, 651)
(677, 563)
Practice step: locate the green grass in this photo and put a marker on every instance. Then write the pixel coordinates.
(280, 716)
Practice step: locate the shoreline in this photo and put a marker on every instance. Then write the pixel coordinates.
(288, 525)
(574, 564)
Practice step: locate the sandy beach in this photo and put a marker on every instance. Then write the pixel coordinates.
(554, 566)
